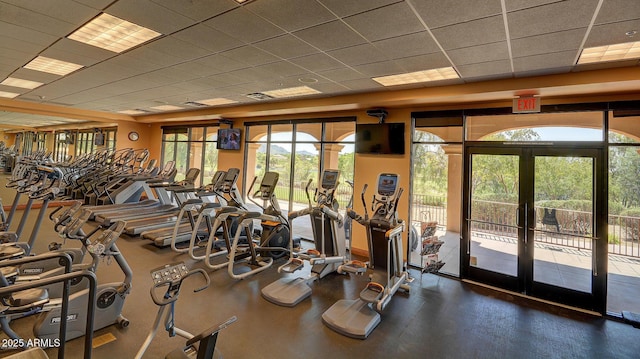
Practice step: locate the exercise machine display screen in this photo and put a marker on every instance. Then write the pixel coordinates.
(329, 179)
(387, 184)
(269, 182)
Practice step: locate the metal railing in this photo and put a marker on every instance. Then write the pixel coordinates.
(570, 228)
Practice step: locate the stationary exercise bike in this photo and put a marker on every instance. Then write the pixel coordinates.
(386, 267)
(171, 276)
(330, 245)
(111, 296)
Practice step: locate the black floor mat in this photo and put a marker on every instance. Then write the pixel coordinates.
(632, 318)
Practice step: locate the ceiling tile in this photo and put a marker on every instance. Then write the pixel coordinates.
(65, 10)
(483, 69)
(418, 43)
(618, 10)
(198, 10)
(545, 61)
(317, 62)
(208, 38)
(250, 55)
(77, 52)
(345, 8)
(613, 33)
(177, 50)
(291, 15)
(23, 52)
(151, 15)
(280, 68)
(398, 20)
(26, 36)
(286, 47)
(553, 42)
(471, 33)
(438, 13)
(329, 36)
(343, 74)
(478, 54)
(423, 62)
(559, 16)
(34, 20)
(244, 25)
(382, 68)
(362, 84)
(514, 5)
(218, 63)
(358, 55)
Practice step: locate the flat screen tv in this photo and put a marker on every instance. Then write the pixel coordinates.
(229, 139)
(380, 138)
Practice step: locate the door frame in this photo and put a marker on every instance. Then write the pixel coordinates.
(523, 283)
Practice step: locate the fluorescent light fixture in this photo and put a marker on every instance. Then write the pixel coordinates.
(8, 94)
(133, 112)
(291, 92)
(26, 84)
(166, 108)
(52, 66)
(615, 52)
(112, 33)
(443, 73)
(216, 101)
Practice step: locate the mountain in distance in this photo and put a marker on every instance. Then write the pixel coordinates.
(278, 150)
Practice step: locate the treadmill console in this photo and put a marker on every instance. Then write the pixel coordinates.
(268, 184)
(229, 179)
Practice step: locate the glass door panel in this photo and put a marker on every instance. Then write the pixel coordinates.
(493, 212)
(563, 231)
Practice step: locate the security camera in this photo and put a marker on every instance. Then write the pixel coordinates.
(380, 113)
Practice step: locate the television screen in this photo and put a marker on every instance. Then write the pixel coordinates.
(229, 139)
(381, 138)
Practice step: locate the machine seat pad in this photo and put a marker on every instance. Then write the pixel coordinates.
(9, 250)
(29, 296)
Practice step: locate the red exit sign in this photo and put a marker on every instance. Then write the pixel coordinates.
(527, 104)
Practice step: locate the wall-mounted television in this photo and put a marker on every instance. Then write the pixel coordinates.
(380, 138)
(229, 139)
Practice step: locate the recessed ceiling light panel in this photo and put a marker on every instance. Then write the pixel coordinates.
(113, 34)
(614, 52)
(133, 112)
(443, 73)
(292, 92)
(16, 82)
(216, 101)
(167, 108)
(8, 94)
(52, 66)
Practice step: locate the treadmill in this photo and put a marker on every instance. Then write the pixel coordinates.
(138, 226)
(227, 193)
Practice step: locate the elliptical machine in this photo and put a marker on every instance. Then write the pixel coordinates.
(274, 238)
(386, 267)
(330, 245)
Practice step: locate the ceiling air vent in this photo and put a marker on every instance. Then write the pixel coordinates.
(259, 96)
(194, 104)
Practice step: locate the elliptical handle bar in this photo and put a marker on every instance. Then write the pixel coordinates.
(364, 202)
(306, 190)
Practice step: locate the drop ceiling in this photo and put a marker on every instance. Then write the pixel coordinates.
(222, 49)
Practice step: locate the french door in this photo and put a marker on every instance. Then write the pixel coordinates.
(534, 217)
